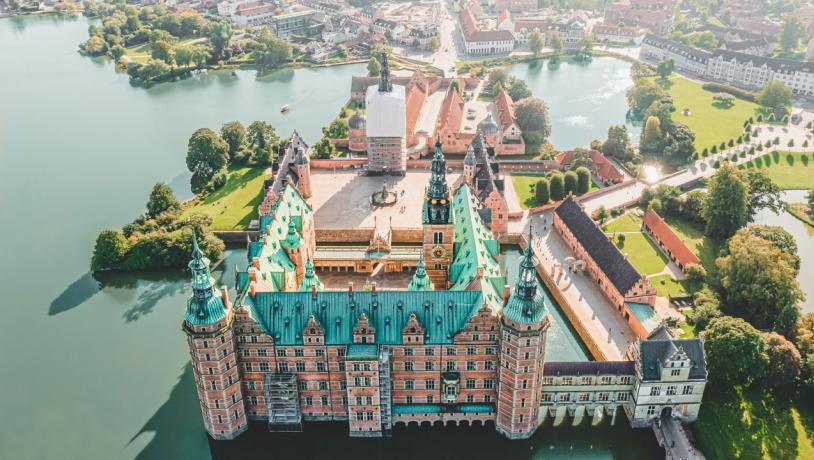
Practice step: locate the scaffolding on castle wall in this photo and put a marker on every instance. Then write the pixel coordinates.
(385, 392)
(283, 402)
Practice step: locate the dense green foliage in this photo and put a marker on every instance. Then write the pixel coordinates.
(162, 199)
(542, 191)
(735, 351)
(570, 182)
(207, 153)
(583, 180)
(557, 186)
(727, 207)
(532, 117)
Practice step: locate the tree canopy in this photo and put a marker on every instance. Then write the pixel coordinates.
(727, 207)
(735, 351)
(784, 360)
(162, 199)
(234, 134)
(207, 153)
(532, 116)
(535, 43)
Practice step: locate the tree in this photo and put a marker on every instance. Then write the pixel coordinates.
(324, 149)
(726, 209)
(764, 193)
(109, 251)
(810, 199)
(270, 51)
(724, 99)
(117, 52)
(665, 68)
(758, 280)
(191, 23)
(779, 238)
(200, 54)
(338, 129)
(95, 46)
(433, 44)
(535, 43)
(557, 186)
(163, 51)
(183, 55)
(541, 191)
(805, 334)
(234, 134)
(735, 351)
(583, 180)
(680, 143)
(373, 66)
(162, 199)
(601, 214)
(207, 153)
(784, 360)
(570, 181)
(518, 89)
(652, 137)
(532, 116)
(498, 76)
(696, 274)
(220, 34)
(617, 143)
(775, 95)
(643, 94)
(792, 32)
(556, 43)
(262, 135)
(706, 308)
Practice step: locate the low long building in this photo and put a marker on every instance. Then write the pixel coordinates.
(731, 67)
(668, 242)
(627, 290)
(478, 41)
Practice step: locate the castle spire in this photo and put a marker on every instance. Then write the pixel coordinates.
(202, 285)
(310, 278)
(420, 281)
(384, 75)
(436, 204)
(526, 286)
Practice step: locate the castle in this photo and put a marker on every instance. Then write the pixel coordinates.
(460, 345)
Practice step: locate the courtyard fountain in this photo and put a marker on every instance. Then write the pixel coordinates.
(384, 197)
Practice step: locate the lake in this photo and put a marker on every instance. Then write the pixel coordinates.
(98, 368)
(583, 99)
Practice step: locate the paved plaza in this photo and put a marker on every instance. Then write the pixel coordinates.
(341, 199)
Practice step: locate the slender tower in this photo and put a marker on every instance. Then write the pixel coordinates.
(438, 223)
(522, 342)
(208, 325)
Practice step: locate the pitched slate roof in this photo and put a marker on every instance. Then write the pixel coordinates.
(575, 368)
(283, 315)
(655, 352)
(679, 48)
(613, 263)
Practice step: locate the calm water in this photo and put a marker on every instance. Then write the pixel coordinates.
(98, 368)
(583, 99)
(804, 235)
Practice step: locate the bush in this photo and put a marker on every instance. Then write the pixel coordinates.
(570, 182)
(219, 180)
(705, 152)
(542, 192)
(714, 149)
(557, 187)
(737, 92)
(109, 251)
(583, 180)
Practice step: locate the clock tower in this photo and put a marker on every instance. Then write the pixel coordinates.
(438, 223)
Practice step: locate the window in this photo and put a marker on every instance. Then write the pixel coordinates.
(450, 365)
(360, 416)
(357, 381)
(651, 410)
(603, 396)
(283, 367)
(343, 385)
(214, 385)
(565, 397)
(408, 352)
(344, 400)
(303, 385)
(300, 366)
(234, 399)
(429, 352)
(408, 366)
(525, 384)
(281, 352)
(687, 390)
(366, 366)
(655, 391)
(470, 398)
(567, 381)
(625, 380)
(323, 400)
(261, 352)
(217, 404)
(605, 380)
(309, 401)
(320, 367)
(471, 366)
(471, 351)
(429, 384)
(451, 351)
(489, 365)
(341, 366)
(320, 352)
(429, 365)
(340, 352)
(430, 399)
(370, 416)
(358, 400)
(526, 355)
(298, 352)
(438, 238)
(323, 385)
(490, 350)
(253, 400)
(409, 399)
(250, 384)
(356, 367)
(470, 384)
(586, 380)
(621, 396)
(211, 371)
(584, 396)
(367, 381)
(548, 380)
(675, 372)
(488, 384)
(409, 384)
(369, 400)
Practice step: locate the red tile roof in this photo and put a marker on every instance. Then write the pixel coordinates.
(452, 112)
(669, 240)
(604, 168)
(505, 110)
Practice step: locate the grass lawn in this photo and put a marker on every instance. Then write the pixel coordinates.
(642, 253)
(524, 186)
(754, 424)
(711, 123)
(233, 206)
(625, 223)
(666, 286)
(693, 236)
(790, 170)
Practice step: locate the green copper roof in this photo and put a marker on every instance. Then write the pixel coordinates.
(362, 351)
(310, 278)
(204, 306)
(420, 281)
(283, 315)
(475, 247)
(527, 302)
(286, 216)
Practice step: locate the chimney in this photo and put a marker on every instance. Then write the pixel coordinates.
(256, 262)
(252, 290)
(224, 295)
(506, 293)
(268, 229)
(266, 239)
(313, 290)
(252, 273)
(373, 287)
(350, 287)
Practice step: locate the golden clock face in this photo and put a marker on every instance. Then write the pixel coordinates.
(439, 252)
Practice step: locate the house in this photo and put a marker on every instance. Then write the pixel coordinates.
(620, 35)
(509, 137)
(655, 15)
(477, 41)
(602, 168)
(627, 290)
(483, 175)
(668, 242)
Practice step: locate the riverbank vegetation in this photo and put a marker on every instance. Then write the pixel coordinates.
(234, 205)
(159, 238)
(154, 45)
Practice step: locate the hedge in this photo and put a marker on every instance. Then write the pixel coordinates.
(737, 92)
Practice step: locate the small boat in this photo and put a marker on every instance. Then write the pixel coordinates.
(285, 108)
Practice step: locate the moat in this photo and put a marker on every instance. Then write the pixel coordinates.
(103, 360)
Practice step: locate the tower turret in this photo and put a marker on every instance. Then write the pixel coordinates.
(385, 86)
(310, 278)
(524, 325)
(420, 281)
(208, 324)
(296, 251)
(438, 222)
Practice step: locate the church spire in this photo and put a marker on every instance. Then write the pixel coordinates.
(384, 75)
